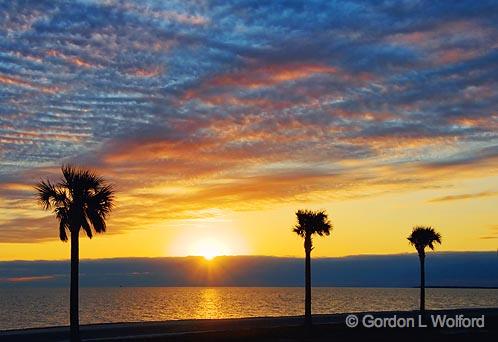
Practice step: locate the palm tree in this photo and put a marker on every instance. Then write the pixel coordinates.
(422, 237)
(80, 200)
(309, 223)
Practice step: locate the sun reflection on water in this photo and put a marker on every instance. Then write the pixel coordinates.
(210, 303)
(132, 304)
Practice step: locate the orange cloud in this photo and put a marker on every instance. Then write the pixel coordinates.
(16, 187)
(73, 60)
(217, 90)
(270, 75)
(456, 55)
(493, 232)
(25, 279)
(27, 57)
(154, 189)
(464, 196)
(28, 136)
(434, 40)
(8, 80)
(146, 73)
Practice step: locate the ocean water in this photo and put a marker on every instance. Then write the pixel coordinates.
(40, 307)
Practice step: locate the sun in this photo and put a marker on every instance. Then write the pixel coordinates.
(210, 255)
(209, 248)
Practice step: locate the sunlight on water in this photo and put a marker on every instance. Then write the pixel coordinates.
(210, 303)
(35, 307)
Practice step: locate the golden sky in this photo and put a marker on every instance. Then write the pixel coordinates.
(377, 224)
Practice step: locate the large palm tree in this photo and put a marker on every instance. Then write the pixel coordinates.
(79, 200)
(422, 237)
(310, 223)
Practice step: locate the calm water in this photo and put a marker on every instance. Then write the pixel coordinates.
(35, 307)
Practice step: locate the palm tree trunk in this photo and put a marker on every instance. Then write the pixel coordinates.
(74, 292)
(422, 283)
(307, 300)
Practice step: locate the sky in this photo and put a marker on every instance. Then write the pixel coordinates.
(217, 120)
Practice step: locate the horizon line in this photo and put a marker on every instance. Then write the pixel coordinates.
(248, 256)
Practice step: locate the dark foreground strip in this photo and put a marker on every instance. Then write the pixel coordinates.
(326, 328)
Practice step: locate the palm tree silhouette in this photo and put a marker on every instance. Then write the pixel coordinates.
(422, 237)
(309, 223)
(80, 200)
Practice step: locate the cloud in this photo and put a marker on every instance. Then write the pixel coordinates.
(28, 229)
(493, 233)
(211, 104)
(464, 196)
(26, 279)
(446, 269)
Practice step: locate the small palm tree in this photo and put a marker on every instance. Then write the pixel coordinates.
(80, 200)
(422, 237)
(309, 223)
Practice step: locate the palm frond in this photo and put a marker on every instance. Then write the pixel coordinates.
(102, 200)
(80, 200)
(86, 228)
(97, 221)
(62, 231)
(299, 230)
(46, 193)
(312, 222)
(61, 214)
(69, 177)
(422, 237)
